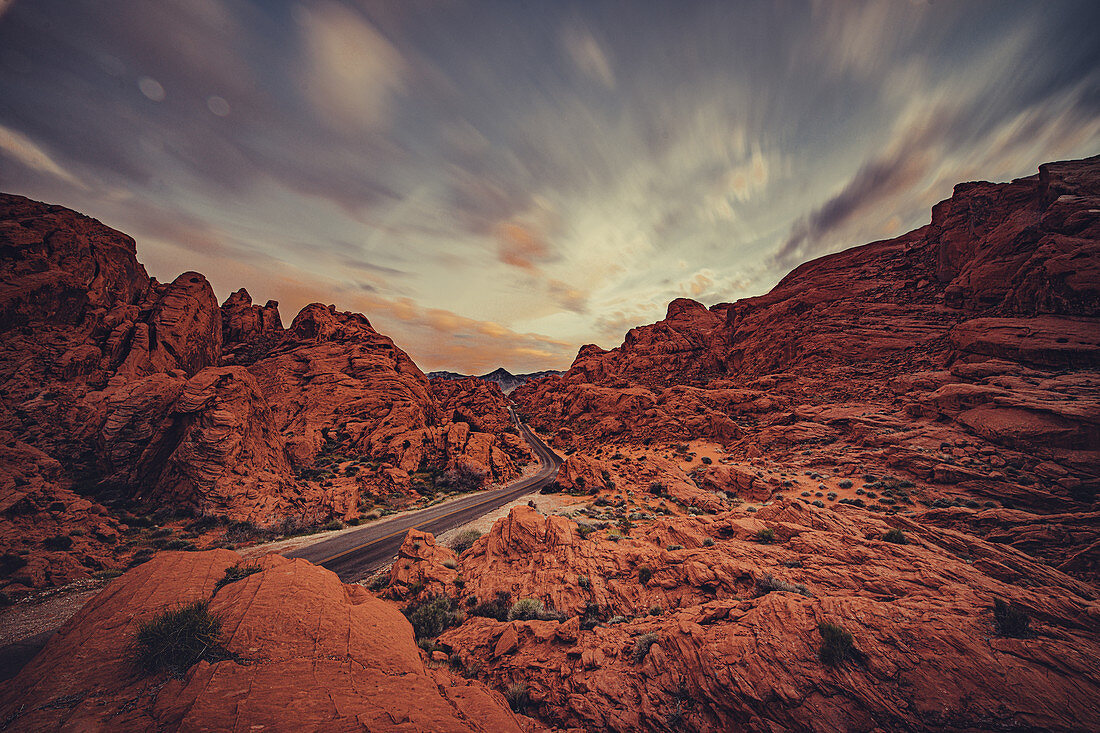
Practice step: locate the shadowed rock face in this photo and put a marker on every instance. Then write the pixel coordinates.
(307, 652)
(154, 393)
(964, 354)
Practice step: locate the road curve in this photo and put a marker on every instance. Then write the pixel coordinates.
(354, 555)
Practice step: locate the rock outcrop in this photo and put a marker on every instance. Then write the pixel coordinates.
(301, 650)
(151, 396)
(717, 630)
(961, 357)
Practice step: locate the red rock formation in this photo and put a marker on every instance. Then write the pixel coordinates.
(959, 356)
(723, 621)
(152, 393)
(304, 651)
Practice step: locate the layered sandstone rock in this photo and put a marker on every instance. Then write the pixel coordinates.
(960, 357)
(153, 396)
(303, 651)
(729, 613)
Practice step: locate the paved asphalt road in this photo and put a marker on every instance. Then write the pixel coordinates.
(354, 555)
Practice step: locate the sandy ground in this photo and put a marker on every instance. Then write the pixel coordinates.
(46, 610)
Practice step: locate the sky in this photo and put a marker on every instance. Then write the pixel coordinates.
(498, 183)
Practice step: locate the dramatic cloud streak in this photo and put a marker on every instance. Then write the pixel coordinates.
(498, 183)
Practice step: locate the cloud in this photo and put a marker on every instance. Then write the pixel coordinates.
(879, 179)
(23, 150)
(567, 296)
(352, 71)
(588, 56)
(520, 246)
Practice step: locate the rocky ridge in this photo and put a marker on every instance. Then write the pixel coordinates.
(150, 396)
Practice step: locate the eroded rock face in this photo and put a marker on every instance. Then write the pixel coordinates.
(307, 652)
(729, 655)
(155, 395)
(962, 355)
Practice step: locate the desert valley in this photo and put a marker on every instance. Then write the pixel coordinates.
(482, 366)
(864, 501)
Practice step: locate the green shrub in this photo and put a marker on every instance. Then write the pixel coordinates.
(235, 573)
(334, 525)
(836, 644)
(642, 645)
(526, 609)
(1010, 619)
(178, 638)
(497, 608)
(767, 536)
(708, 542)
(767, 583)
(430, 616)
(645, 573)
(585, 529)
(464, 540)
(896, 536)
(584, 582)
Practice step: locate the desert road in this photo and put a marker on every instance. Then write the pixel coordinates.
(353, 555)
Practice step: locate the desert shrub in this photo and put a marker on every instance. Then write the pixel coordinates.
(450, 564)
(462, 479)
(1010, 619)
(656, 611)
(836, 644)
(806, 493)
(464, 540)
(5, 600)
(708, 542)
(818, 503)
(767, 583)
(706, 460)
(334, 525)
(430, 616)
(671, 548)
(526, 609)
(645, 573)
(585, 529)
(235, 573)
(517, 698)
(896, 536)
(497, 608)
(617, 620)
(551, 488)
(845, 484)
(355, 521)
(378, 582)
(178, 638)
(584, 582)
(10, 562)
(57, 506)
(58, 542)
(642, 645)
(658, 489)
(766, 535)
